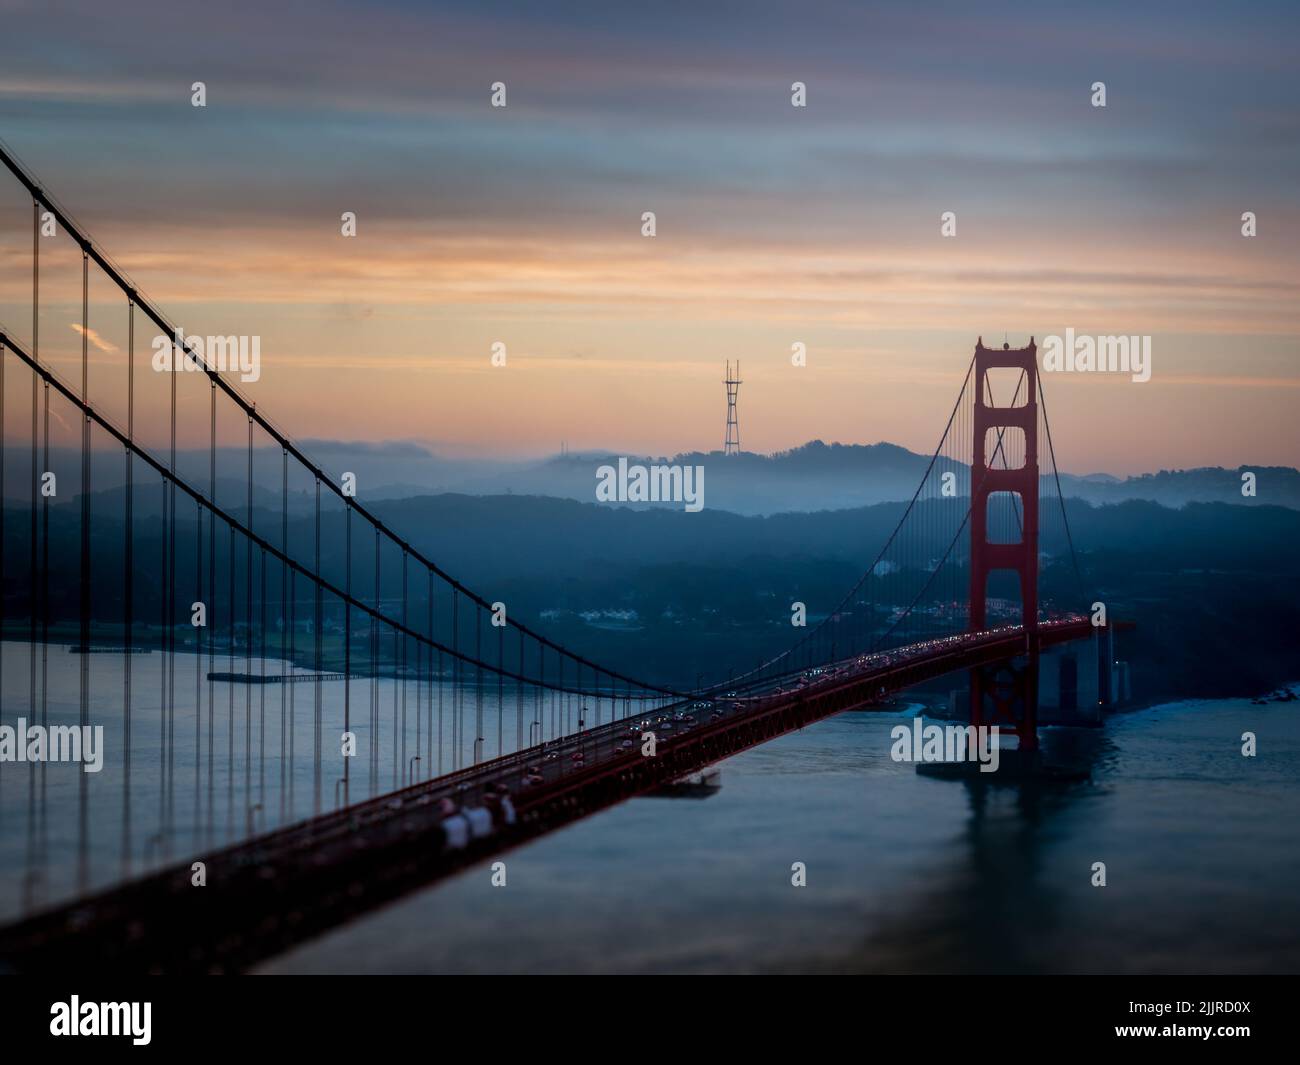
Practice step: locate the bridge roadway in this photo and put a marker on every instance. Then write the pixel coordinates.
(273, 891)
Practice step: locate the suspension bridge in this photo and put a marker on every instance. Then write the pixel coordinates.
(343, 721)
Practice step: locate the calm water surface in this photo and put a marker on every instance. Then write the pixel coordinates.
(904, 873)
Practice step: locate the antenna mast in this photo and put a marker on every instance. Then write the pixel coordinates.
(731, 445)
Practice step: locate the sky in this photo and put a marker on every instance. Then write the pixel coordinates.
(775, 225)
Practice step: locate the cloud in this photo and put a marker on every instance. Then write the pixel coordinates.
(93, 337)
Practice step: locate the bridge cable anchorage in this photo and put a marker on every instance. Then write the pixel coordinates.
(817, 632)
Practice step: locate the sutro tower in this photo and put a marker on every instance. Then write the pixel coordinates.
(731, 446)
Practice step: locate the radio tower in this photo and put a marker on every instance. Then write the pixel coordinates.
(731, 445)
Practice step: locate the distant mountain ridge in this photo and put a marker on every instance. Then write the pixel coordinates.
(1274, 485)
(815, 476)
(821, 476)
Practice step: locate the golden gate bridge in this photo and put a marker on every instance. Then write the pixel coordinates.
(351, 722)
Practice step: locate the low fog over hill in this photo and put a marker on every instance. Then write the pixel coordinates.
(815, 476)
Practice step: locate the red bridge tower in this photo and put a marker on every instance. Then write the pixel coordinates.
(997, 693)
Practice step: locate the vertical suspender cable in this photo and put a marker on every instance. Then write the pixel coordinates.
(248, 638)
(261, 669)
(374, 680)
(455, 681)
(128, 587)
(347, 653)
(230, 707)
(169, 501)
(478, 684)
(520, 695)
(404, 647)
(501, 656)
(198, 675)
(212, 605)
(83, 856)
(286, 662)
(316, 769)
(428, 762)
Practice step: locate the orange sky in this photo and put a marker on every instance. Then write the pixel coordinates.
(774, 225)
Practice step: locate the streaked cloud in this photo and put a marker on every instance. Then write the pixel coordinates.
(92, 336)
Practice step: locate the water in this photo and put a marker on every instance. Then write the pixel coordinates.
(904, 873)
(245, 761)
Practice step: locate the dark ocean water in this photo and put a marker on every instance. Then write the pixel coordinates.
(905, 873)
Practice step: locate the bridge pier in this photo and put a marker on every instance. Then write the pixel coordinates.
(1006, 695)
